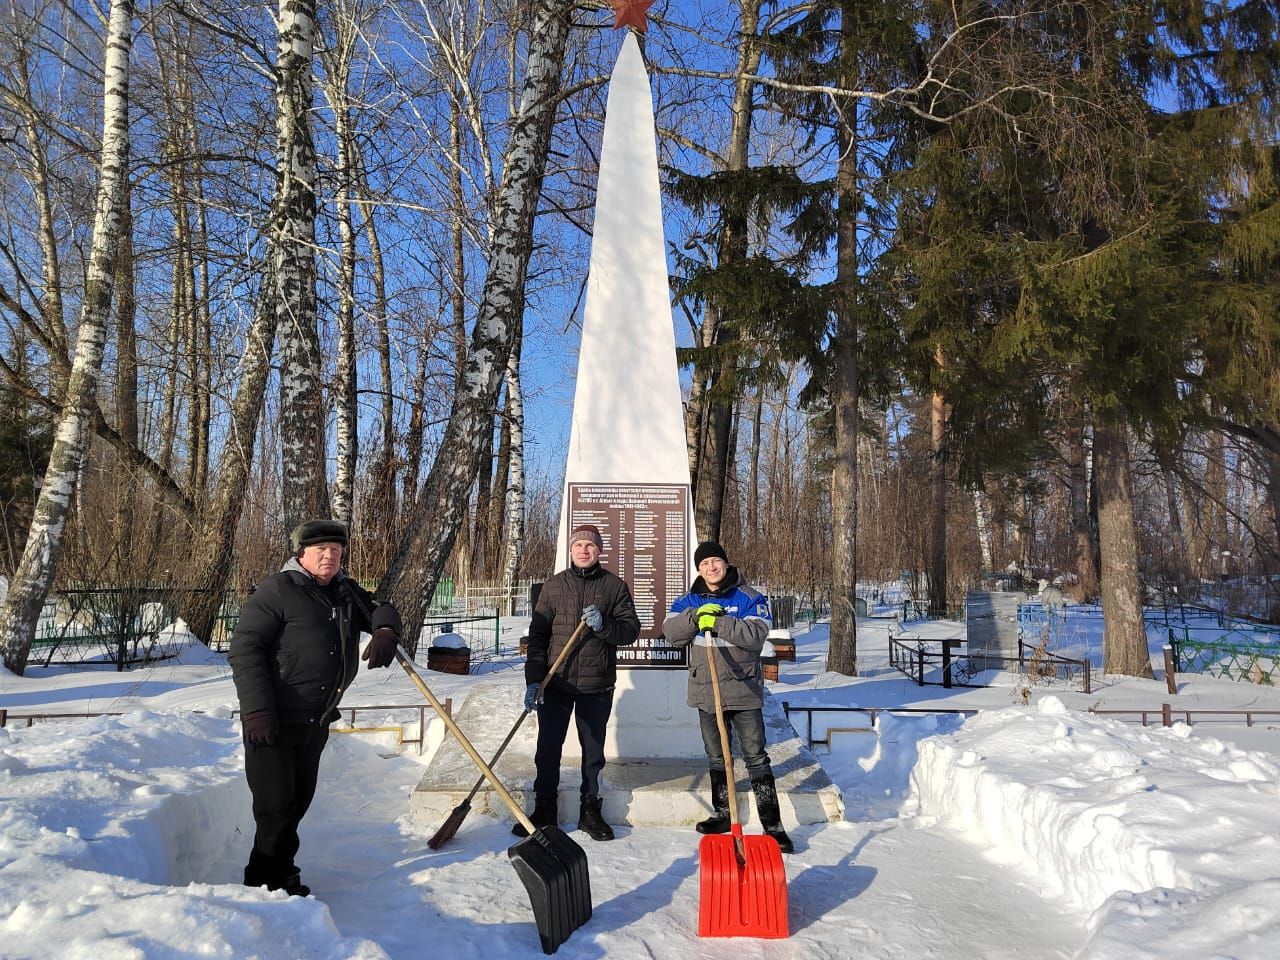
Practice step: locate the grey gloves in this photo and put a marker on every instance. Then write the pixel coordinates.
(593, 618)
(531, 696)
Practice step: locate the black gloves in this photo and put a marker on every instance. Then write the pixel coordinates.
(381, 649)
(260, 727)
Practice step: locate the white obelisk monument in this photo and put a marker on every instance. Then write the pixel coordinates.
(627, 472)
(627, 469)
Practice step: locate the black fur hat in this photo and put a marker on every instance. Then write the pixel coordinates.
(317, 531)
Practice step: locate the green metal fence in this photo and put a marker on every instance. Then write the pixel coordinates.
(1233, 658)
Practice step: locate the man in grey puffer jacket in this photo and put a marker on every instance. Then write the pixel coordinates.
(735, 618)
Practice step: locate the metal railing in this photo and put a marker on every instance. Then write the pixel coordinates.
(1168, 714)
(914, 659)
(498, 598)
(873, 712)
(1240, 658)
(418, 709)
(480, 633)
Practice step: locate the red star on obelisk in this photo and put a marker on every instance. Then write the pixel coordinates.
(630, 13)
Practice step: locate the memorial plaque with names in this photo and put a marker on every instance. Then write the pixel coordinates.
(645, 527)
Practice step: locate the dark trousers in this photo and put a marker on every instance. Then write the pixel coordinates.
(748, 727)
(282, 778)
(591, 711)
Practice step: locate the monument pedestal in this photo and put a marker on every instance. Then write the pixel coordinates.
(648, 790)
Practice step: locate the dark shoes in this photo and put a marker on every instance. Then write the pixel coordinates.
(770, 816)
(718, 822)
(542, 815)
(591, 821)
(294, 886)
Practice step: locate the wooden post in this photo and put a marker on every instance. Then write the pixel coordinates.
(920, 665)
(946, 663)
(1170, 677)
(1166, 714)
(4, 717)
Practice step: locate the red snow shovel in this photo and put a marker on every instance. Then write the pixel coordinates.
(742, 880)
(454, 820)
(551, 866)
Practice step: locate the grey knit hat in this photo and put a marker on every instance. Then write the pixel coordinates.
(587, 531)
(317, 531)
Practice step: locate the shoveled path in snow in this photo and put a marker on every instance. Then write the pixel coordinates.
(874, 888)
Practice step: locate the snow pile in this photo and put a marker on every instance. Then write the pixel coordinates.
(1157, 833)
(106, 828)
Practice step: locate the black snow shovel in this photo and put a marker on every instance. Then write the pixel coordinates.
(552, 867)
(454, 820)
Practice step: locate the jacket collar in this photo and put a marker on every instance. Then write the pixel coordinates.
(585, 573)
(730, 583)
(293, 566)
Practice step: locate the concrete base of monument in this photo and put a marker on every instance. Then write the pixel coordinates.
(637, 791)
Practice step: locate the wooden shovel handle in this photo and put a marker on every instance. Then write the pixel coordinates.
(568, 645)
(462, 739)
(493, 762)
(738, 847)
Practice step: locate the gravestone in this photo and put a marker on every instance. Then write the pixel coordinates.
(991, 625)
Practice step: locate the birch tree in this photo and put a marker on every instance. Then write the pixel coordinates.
(32, 579)
(292, 238)
(337, 58)
(513, 548)
(431, 529)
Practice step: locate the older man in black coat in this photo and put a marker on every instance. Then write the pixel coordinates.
(294, 652)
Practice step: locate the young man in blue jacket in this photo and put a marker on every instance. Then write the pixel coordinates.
(737, 619)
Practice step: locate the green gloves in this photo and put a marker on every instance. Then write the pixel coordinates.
(707, 614)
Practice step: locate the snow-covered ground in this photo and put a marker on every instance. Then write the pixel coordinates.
(1033, 830)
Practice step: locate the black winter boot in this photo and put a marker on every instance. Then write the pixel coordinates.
(294, 886)
(770, 817)
(718, 822)
(591, 821)
(543, 814)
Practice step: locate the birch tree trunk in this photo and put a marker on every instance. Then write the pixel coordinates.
(33, 577)
(337, 62)
(982, 517)
(304, 486)
(53, 332)
(514, 526)
(212, 551)
(1124, 639)
(843, 654)
(415, 436)
(385, 469)
(431, 530)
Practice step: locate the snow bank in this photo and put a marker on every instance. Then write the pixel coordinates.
(106, 827)
(1151, 830)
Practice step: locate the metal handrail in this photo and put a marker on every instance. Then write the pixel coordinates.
(809, 711)
(1165, 711)
(419, 708)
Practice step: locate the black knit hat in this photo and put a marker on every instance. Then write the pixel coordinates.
(707, 549)
(317, 531)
